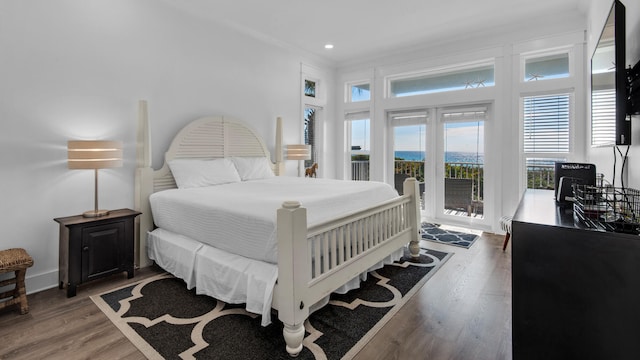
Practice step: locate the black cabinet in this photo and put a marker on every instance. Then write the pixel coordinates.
(576, 291)
(92, 248)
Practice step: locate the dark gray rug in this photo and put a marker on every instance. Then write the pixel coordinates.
(433, 232)
(165, 320)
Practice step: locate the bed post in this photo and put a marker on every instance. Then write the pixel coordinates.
(293, 276)
(279, 162)
(143, 185)
(410, 187)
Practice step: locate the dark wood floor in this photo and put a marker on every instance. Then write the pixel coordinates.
(463, 312)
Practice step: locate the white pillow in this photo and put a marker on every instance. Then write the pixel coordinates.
(190, 173)
(253, 168)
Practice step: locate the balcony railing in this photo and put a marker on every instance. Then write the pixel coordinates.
(406, 168)
(539, 176)
(360, 170)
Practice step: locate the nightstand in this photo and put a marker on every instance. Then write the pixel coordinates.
(91, 248)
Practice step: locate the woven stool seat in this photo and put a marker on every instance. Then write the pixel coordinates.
(16, 260)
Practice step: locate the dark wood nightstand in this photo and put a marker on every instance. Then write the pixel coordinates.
(92, 248)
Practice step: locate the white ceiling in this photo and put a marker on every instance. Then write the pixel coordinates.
(360, 28)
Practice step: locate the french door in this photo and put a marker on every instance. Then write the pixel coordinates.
(409, 147)
(461, 162)
(443, 148)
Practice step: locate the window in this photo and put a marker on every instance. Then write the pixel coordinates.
(358, 126)
(425, 83)
(310, 133)
(546, 124)
(409, 134)
(546, 67)
(310, 88)
(358, 92)
(546, 134)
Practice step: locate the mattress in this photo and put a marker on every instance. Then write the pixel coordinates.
(240, 218)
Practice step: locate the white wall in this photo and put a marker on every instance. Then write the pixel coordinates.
(75, 69)
(603, 157)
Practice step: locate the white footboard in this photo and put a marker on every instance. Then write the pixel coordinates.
(314, 262)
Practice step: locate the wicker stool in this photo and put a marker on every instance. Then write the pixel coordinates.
(505, 224)
(17, 260)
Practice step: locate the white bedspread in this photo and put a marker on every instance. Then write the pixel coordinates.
(240, 218)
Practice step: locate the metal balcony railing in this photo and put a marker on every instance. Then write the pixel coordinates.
(360, 170)
(541, 176)
(407, 168)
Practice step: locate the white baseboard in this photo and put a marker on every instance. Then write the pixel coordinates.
(39, 282)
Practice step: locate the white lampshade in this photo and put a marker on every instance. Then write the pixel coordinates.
(299, 152)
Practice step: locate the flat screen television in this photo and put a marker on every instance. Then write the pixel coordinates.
(633, 104)
(609, 123)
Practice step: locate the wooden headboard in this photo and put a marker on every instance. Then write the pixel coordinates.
(205, 138)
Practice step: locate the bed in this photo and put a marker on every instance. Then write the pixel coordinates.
(261, 246)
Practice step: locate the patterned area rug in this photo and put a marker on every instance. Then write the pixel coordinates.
(165, 320)
(435, 233)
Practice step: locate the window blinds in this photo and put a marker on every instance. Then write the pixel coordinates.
(408, 117)
(546, 123)
(356, 115)
(603, 117)
(477, 113)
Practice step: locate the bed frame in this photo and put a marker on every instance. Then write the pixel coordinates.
(308, 269)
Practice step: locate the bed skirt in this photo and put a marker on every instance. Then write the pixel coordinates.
(228, 277)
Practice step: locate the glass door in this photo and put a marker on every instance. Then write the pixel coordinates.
(462, 161)
(409, 148)
(358, 152)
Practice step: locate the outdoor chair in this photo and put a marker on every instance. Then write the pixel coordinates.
(458, 194)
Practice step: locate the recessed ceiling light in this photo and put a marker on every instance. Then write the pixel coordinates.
(328, 46)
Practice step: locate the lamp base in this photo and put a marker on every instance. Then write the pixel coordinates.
(95, 213)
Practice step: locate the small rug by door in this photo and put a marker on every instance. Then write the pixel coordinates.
(165, 320)
(435, 233)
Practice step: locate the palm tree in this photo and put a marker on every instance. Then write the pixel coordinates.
(309, 133)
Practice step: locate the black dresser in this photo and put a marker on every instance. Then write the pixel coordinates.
(576, 291)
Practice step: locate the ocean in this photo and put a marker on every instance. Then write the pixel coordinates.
(450, 156)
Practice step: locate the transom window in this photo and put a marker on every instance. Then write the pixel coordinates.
(546, 67)
(458, 79)
(309, 88)
(358, 92)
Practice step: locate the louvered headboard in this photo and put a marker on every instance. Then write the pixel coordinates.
(210, 138)
(205, 138)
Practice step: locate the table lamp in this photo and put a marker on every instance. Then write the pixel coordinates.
(94, 154)
(299, 152)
